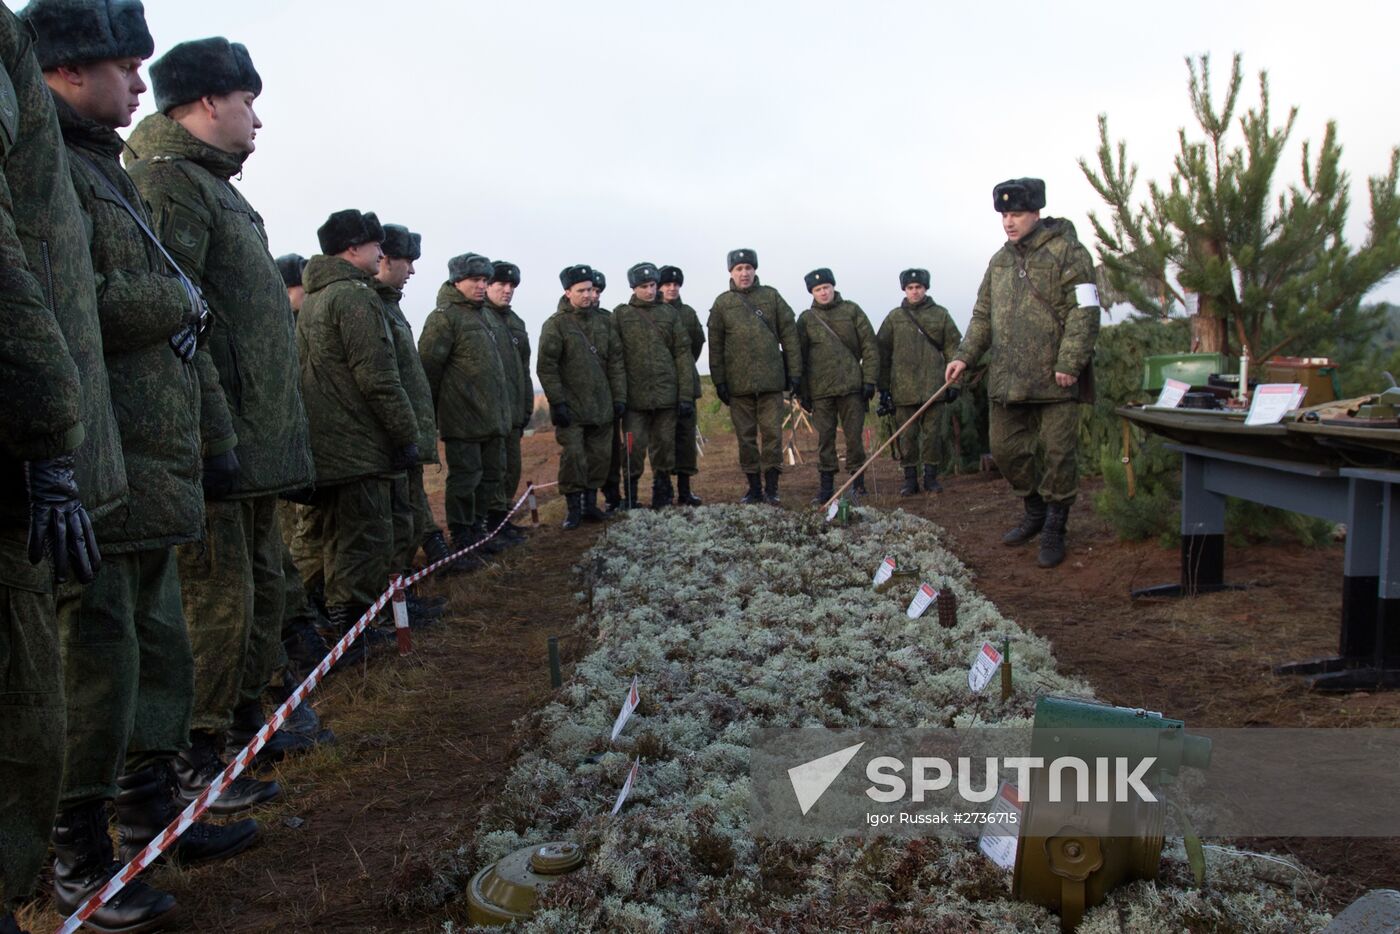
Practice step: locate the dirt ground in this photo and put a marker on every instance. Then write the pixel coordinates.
(367, 826)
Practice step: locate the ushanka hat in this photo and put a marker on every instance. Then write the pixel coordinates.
(401, 243)
(348, 228)
(670, 274)
(818, 277)
(600, 281)
(739, 257)
(573, 275)
(1019, 194)
(291, 266)
(202, 68)
(468, 266)
(910, 276)
(75, 32)
(641, 273)
(501, 271)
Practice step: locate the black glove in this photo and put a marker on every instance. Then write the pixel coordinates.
(404, 457)
(806, 403)
(952, 394)
(867, 392)
(560, 415)
(722, 390)
(221, 474)
(196, 324)
(619, 409)
(58, 523)
(794, 384)
(302, 495)
(685, 409)
(886, 406)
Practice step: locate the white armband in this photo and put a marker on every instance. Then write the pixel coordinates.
(1086, 295)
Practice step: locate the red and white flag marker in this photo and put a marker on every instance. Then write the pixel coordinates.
(627, 785)
(402, 632)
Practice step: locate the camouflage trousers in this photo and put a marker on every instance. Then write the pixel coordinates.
(31, 717)
(1018, 430)
(424, 524)
(510, 482)
(474, 473)
(584, 458)
(128, 671)
(687, 455)
(617, 458)
(354, 526)
(849, 410)
(758, 420)
(922, 441)
(653, 434)
(405, 519)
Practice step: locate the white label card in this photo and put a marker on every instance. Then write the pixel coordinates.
(921, 601)
(629, 704)
(1271, 402)
(627, 785)
(999, 838)
(1172, 394)
(884, 572)
(831, 510)
(985, 665)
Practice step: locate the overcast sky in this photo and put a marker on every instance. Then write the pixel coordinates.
(863, 137)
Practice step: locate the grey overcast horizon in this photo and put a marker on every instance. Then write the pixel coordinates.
(866, 138)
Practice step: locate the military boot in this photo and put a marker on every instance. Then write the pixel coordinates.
(755, 492)
(345, 617)
(911, 481)
(1052, 539)
(8, 925)
(770, 486)
(462, 538)
(629, 496)
(146, 806)
(435, 549)
(858, 487)
(826, 486)
(490, 544)
(304, 718)
(661, 492)
(683, 495)
(248, 718)
(589, 506)
(305, 647)
(574, 515)
(200, 764)
(83, 864)
(509, 535)
(1032, 521)
(931, 484)
(612, 496)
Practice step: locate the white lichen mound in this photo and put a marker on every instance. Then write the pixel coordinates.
(737, 619)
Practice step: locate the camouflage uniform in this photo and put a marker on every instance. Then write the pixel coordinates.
(839, 358)
(660, 373)
(517, 366)
(911, 370)
(687, 455)
(580, 365)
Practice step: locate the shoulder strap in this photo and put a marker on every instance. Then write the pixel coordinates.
(757, 312)
(839, 339)
(915, 321)
(592, 350)
(649, 320)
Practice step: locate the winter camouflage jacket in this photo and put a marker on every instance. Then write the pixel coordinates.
(464, 349)
(1032, 337)
(912, 364)
(580, 363)
(519, 373)
(358, 410)
(749, 354)
(655, 353)
(839, 363)
(140, 304)
(695, 332)
(44, 244)
(218, 239)
(411, 375)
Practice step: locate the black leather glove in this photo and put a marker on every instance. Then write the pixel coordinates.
(302, 495)
(794, 384)
(221, 474)
(685, 408)
(560, 415)
(952, 394)
(619, 409)
(58, 523)
(806, 403)
(404, 457)
(886, 406)
(722, 390)
(867, 392)
(196, 324)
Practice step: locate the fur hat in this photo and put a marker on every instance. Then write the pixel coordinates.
(501, 271)
(641, 273)
(200, 68)
(1019, 194)
(818, 277)
(401, 243)
(348, 228)
(572, 276)
(910, 276)
(737, 257)
(671, 274)
(291, 267)
(74, 32)
(468, 266)
(600, 281)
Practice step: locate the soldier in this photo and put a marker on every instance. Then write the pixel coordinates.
(291, 266)
(580, 368)
(500, 289)
(58, 447)
(612, 485)
(363, 429)
(687, 454)
(128, 668)
(840, 364)
(1038, 312)
(754, 359)
(231, 583)
(463, 349)
(660, 373)
(915, 341)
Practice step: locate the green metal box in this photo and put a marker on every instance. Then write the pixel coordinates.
(1191, 368)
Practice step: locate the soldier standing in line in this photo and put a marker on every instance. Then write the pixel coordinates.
(660, 372)
(916, 339)
(617, 458)
(181, 160)
(1038, 312)
(687, 431)
(840, 363)
(463, 357)
(500, 289)
(754, 359)
(580, 368)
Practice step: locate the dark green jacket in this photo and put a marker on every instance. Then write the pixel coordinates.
(464, 349)
(358, 410)
(655, 353)
(580, 363)
(912, 365)
(140, 304)
(217, 237)
(411, 375)
(750, 355)
(1032, 338)
(45, 246)
(840, 363)
(517, 363)
(696, 333)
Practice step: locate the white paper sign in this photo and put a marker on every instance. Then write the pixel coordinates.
(999, 838)
(921, 601)
(1271, 401)
(985, 665)
(884, 572)
(1172, 394)
(627, 786)
(629, 704)
(831, 510)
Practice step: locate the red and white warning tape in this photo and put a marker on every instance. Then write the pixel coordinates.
(196, 808)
